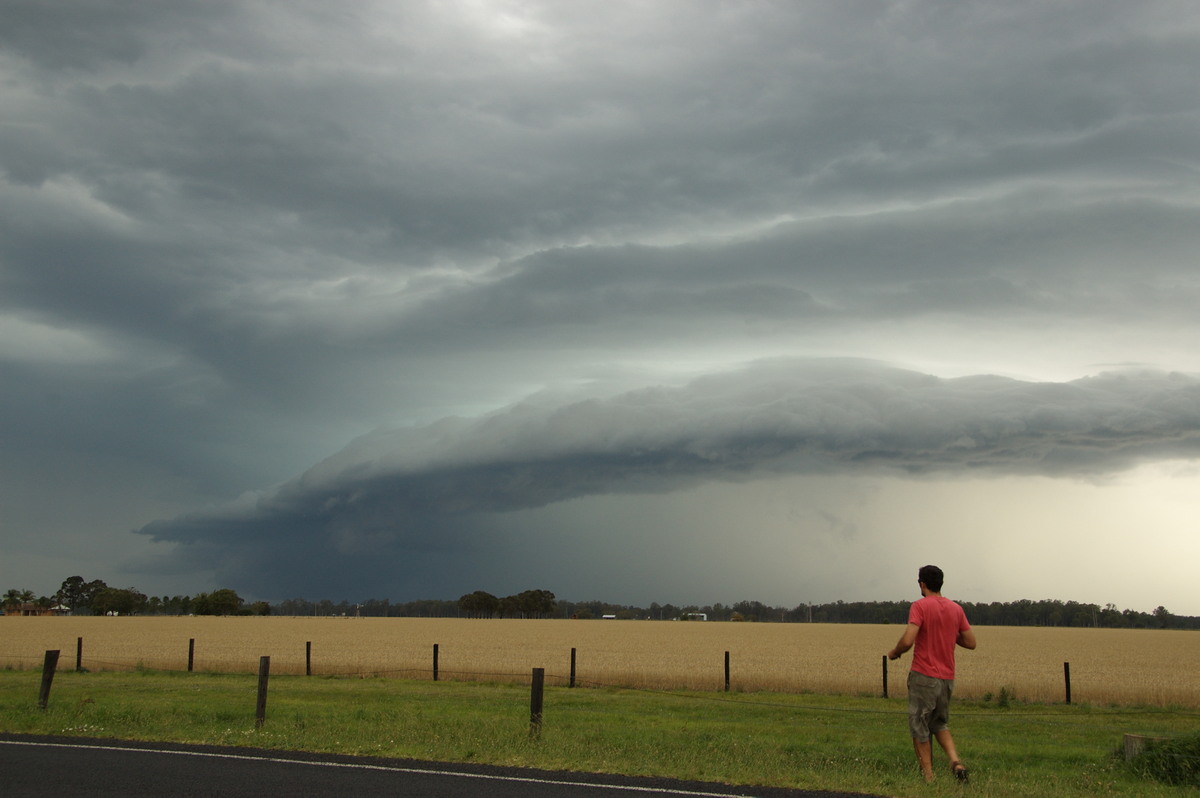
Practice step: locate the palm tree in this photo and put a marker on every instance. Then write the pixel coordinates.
(13, 598)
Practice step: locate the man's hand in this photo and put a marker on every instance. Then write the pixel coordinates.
(893, 654)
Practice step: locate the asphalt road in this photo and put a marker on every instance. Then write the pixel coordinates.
(67, 767)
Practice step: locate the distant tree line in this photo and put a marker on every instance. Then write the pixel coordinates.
(526, 604)
(1047, 612)
(81, 597)
(368, 608)
(480, 604)
(543, 604)
(96, 598)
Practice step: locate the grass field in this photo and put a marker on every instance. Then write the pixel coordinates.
(1108, 666)
(831, 742)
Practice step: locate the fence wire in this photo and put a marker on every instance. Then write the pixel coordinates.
(1054, 716)
(1023, 711)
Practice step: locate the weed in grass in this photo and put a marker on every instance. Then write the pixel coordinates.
(1173, 761)
(1003, 700)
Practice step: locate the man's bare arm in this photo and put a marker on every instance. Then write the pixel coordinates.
(966, 639)
(906, 641)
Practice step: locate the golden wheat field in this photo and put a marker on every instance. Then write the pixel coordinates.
(1122, 666)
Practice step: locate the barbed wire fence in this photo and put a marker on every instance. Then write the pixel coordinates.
(436, 673)
(537, 678)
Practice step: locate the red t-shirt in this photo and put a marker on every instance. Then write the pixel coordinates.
(940, 620)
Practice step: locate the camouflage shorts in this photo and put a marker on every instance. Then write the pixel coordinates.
(928, 705)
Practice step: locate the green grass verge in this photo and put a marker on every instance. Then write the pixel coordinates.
(786, 740)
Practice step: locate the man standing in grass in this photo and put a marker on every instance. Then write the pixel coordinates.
(935, 626)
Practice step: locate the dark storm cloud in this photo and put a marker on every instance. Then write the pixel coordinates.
(235, 235)
(77, 37)
(241, 169)
(856, 271)
(400, 489)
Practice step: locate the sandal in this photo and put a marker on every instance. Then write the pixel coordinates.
(959, 771)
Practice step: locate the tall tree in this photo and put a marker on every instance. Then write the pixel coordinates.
(12, 598)
(219, 602)
(72, 593)
(479, 604)
(535, 603)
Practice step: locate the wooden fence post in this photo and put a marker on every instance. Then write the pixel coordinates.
(435, 662)
(572, 683)
(79, 655)
(1067, 679)
(308, 658)
(48, 667)
(885, 684)
(191, 653)
(727, 671)
(1136, 743)
(536, 690)
(260, 709)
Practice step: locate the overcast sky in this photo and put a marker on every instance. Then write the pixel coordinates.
(638, 301)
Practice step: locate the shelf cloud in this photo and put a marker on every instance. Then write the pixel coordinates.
(405, 299)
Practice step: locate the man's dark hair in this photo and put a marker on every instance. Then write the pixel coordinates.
(932, 576)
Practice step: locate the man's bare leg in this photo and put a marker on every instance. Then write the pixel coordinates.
(924, 757)
(947, 743)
